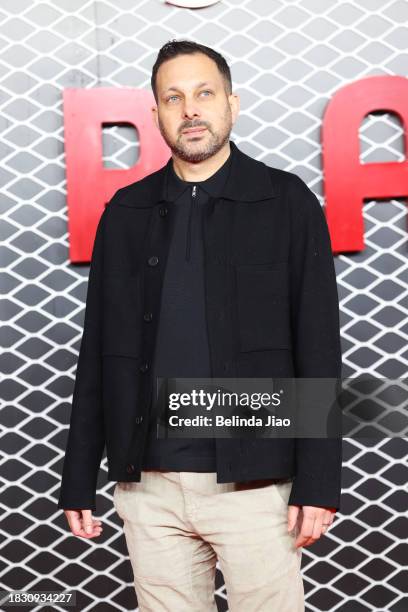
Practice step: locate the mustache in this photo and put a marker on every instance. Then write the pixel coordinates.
(193, 125)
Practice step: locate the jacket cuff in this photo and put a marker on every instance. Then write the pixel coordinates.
(85, 501)
(308, 492)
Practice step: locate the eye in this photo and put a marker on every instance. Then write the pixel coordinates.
(170, 97)
(207, 91)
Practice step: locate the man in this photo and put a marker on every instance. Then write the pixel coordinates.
(215, 265)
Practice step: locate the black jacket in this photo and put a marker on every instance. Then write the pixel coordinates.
(272, 311)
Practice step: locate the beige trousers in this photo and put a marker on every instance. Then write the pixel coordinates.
(177, 524)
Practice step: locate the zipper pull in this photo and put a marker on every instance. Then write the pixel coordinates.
(194, 191)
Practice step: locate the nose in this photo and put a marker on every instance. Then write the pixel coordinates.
(190, 109)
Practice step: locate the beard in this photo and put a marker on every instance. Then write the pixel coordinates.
(194, 150)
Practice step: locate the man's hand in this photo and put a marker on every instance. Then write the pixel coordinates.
(82, 524)
(312, 521)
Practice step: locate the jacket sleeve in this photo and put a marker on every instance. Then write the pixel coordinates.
(86, 438)
(316, 340)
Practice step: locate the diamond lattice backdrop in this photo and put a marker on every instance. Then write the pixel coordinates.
(287, 59)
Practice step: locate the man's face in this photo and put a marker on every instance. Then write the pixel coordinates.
(191, 93)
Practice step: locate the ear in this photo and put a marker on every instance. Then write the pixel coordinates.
(235, 105)
(155, 115)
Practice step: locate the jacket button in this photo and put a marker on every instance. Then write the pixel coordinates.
(163, 211)
(130, 468)
(144, 367)
(153, 260)
(148, 316)
(139, 419)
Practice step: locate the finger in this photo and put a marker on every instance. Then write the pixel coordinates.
(309, 536)
(308, 540)
(293, 513)
(306, 528)
(87, 521)
(318, 528)
(74, 520)
(311, 528)
(96, 531)
(327, 520)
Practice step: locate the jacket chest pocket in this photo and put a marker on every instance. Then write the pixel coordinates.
(263, 306)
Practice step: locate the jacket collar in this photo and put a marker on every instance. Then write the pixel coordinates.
(249, 180)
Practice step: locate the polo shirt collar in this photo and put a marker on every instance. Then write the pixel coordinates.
(213, 185)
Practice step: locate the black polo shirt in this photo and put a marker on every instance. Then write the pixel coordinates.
(182, 348)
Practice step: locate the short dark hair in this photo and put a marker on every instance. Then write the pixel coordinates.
(174, 47)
